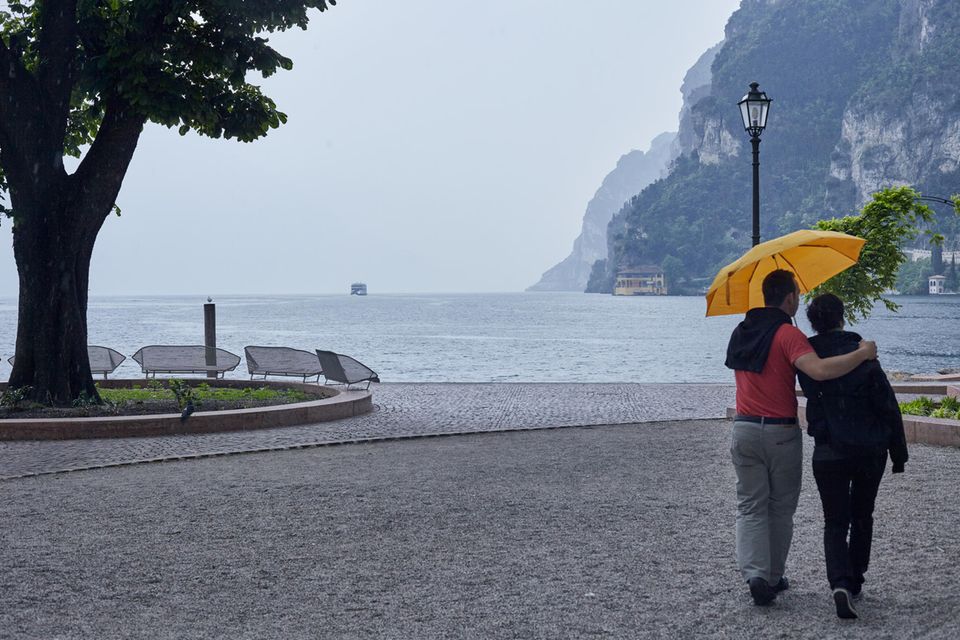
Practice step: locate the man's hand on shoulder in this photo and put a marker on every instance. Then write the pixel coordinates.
(829, 368)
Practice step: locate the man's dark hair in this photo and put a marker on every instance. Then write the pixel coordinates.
(777, 286)
(825, 313)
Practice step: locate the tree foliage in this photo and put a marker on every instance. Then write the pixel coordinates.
(599, 281)
(178, 63)
(913, 277)
(893, 217)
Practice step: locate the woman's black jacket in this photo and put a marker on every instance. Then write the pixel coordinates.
(856, 414)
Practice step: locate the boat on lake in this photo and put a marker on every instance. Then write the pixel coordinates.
(358, 289)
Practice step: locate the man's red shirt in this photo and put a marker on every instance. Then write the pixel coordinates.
(771, 393)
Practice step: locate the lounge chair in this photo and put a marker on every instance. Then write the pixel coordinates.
(344, 369)
(282, 361)
(103, 360)
(157, 358)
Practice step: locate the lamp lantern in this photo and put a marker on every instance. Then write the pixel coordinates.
(754, 108)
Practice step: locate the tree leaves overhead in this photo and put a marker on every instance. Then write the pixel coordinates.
(180, 63)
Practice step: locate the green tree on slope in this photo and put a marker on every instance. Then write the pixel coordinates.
(952, 282)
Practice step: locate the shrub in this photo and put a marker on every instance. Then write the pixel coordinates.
(12, 398)
(922, 406)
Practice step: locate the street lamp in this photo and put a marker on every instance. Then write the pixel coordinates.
(754, 108)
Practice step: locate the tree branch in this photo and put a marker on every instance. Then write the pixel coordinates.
(99, 177)
(57, 45)
(19, 126)
(17, 91)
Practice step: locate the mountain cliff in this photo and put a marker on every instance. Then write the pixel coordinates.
(904, 126)
(865, 96)
(633, 172)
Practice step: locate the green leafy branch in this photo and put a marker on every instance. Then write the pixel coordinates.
(892, 218)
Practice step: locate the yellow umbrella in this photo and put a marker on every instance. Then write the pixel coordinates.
(813, 256)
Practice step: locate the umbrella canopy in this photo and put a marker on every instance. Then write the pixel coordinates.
(813, 256)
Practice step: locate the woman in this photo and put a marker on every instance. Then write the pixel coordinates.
(855, 421)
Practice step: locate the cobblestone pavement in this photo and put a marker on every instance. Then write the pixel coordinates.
(401, 411)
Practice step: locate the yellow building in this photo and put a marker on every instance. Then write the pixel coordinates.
(642, 281)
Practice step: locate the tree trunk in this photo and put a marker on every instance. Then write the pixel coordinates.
(56, 221)
(53, 254)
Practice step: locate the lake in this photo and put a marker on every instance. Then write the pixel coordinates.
(511, 337)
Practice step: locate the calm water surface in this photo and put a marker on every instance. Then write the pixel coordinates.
(528, 337)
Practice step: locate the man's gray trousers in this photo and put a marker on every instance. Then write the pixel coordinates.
(769, 464)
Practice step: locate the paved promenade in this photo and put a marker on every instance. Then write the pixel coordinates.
(402, 410)
(619, 532)
(622, 528)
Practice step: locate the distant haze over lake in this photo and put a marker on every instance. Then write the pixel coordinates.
(431, 146)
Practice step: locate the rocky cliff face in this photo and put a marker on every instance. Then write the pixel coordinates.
(696, 86)
(879, 149)
(909, 134)
(635, 171)
(865, 97)
(702, 125)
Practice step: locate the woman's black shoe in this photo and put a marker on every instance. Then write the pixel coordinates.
(844, 602)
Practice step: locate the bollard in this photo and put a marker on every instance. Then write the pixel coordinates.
(210, 335)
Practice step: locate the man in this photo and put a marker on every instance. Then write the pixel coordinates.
(766, 351)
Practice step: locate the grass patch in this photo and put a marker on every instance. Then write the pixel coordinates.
(923, 406)
(202, 393)
(154, 397)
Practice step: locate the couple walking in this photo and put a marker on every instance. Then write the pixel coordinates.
(853, 416)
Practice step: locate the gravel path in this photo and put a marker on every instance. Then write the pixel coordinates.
(604, 532)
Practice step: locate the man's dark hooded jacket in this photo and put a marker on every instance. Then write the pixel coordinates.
(856, 414)
(750, 342)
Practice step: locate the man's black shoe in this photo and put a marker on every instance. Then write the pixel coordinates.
(763, 594)
(844, 602)
(782, 585)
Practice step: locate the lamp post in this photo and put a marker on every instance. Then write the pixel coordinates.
(754, 108)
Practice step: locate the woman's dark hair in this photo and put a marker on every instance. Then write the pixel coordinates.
(825, 313)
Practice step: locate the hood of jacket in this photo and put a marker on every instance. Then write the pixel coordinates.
(750, 342)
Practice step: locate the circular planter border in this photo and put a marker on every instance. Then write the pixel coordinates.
(331, 404)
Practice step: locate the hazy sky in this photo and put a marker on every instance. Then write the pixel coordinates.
(432, 146)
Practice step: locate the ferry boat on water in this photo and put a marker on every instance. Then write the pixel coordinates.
(358, 289)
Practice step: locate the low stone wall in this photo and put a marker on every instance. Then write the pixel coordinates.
(920, 429)
(331, 404)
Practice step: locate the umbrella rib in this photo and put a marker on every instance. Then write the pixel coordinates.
(756, 265)
(794, 269)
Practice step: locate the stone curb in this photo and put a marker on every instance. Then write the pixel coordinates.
(333, 404)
